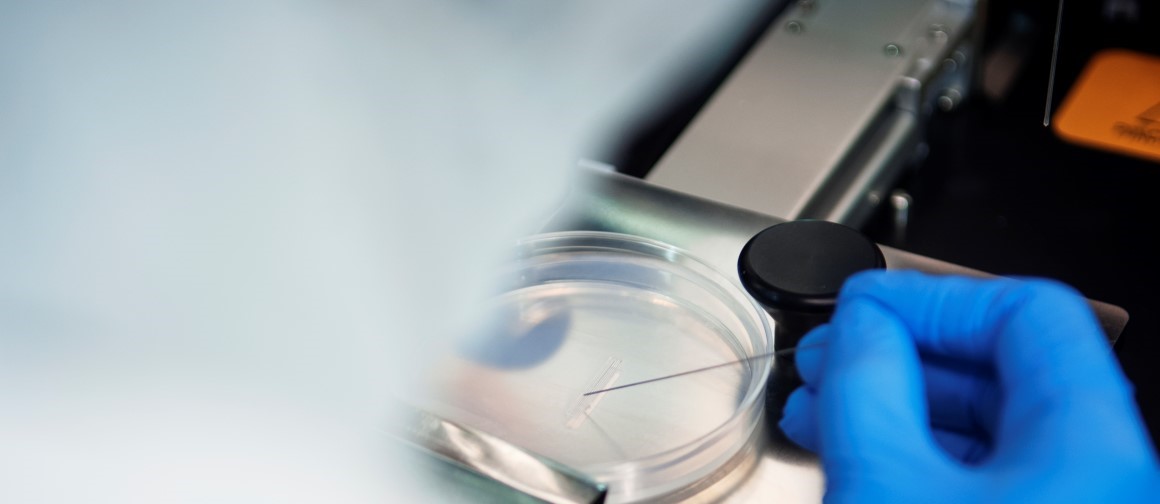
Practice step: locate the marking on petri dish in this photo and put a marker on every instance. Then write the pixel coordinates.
(587, 402)
(604, 434)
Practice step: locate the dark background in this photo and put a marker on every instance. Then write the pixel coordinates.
(1001, 193)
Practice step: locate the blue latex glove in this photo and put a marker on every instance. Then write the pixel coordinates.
(946, 389)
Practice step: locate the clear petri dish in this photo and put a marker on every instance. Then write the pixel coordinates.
(586, 311)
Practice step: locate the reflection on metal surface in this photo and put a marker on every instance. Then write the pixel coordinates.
(900, 202)
(496, 470)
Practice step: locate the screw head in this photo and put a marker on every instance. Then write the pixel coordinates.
(892, 50)
(794, 27)
(900, 200)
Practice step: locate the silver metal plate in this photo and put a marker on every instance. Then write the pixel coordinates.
(824, 110)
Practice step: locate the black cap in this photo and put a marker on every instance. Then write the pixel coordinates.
(801, 265)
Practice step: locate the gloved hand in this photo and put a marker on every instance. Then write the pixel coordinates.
(947, 389)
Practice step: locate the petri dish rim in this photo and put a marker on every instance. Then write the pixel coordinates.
(748, 411)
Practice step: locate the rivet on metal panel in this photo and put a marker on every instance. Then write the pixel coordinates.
(794, 27)
(950, 65)
(949, 99)
(807, 6)
(938, 33)
(892, 50)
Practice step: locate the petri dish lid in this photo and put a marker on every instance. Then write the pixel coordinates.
(585, 311)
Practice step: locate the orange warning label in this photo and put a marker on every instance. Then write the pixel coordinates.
(1115, 105)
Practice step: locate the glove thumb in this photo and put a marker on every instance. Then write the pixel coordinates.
(872, 410)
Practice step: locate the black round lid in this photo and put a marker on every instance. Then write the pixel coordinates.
(801, 265)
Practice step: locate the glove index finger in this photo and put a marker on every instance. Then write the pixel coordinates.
(1034, 333)
(872, 386)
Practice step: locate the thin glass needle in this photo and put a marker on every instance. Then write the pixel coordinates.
(778, 353)
(1054, 59)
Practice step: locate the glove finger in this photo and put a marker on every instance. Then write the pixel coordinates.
(965, 448)
(871, 408)
(799, 420)
(1041, 337)
(961, 400)
(808, 357)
